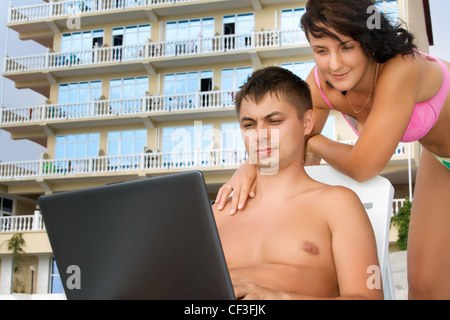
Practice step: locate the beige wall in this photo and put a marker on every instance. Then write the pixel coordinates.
(35, 242)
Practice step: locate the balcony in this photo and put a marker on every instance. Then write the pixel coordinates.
(49, 18)
(46, 68)
(28, 223)
(148, 110)
(133, 165)
(82, 7)
(40, 22)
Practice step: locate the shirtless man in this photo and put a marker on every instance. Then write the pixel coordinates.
(297, 238)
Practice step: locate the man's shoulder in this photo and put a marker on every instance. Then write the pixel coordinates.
(328, 192)
(336, 200)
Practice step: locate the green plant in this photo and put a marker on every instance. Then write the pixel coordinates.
(401, 220)
(15, 245)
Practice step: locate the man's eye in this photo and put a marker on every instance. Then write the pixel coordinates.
(275, 121)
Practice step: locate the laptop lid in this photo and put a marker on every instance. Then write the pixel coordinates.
(153, 238)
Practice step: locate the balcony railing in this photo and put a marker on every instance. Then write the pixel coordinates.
(78, 7)
(22, 223)
(151, 104)
(124, 164)
(155, 50)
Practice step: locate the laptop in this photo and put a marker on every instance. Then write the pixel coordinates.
(154, 238)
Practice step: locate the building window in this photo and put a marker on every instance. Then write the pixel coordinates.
(55, 279)
(77, 146)
(180, 89)
(181, 83)
(131, 40)
(329, 130)
(126, 94)
(240, 27)
(126, 142)
(189, 29)
(232, 80)
(238, 24)
(188, 145)
(187, 138)
(290, 18)
(74, 98)
(79, 92)
(290, 24)
(6, 207)
(128, 88)
(77, 41)
(301, 69)
(231, 136)
(181, 36)
(390, 8)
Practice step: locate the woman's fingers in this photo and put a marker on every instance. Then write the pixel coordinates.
(242, 184)
(222, 196)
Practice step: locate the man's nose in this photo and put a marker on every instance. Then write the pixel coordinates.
(263, 134)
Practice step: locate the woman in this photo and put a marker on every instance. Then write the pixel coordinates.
(388, 92)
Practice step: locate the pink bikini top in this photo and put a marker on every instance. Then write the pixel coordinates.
(425, 113)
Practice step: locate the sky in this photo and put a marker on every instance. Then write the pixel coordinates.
(11, 150)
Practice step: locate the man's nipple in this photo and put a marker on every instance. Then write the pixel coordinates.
(310, 248)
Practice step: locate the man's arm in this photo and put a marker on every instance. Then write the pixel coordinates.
(354, 247)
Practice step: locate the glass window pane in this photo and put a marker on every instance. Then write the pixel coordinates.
(81, 150)
(113, 135)
(56, 284)
(113, 147)
(70, 150)
(126, 147)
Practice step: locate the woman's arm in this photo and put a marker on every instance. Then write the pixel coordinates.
(242, 184)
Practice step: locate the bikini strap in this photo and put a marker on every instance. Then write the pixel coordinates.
(316, 75)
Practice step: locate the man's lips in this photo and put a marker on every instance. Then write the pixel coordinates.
(264, 151)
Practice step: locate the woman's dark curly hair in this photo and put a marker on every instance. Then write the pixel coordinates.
(350, 18)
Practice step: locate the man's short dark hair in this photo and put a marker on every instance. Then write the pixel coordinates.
(282, 83)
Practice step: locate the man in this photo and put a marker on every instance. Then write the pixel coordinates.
(297, 238)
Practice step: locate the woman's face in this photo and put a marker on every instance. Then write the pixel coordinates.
(343, 64)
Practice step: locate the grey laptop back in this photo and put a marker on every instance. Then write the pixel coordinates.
(153, 238)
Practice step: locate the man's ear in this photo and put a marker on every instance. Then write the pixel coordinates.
(308, 122)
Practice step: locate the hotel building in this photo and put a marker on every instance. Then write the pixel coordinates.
(139, 88)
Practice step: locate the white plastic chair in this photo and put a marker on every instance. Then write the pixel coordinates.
(377, 197)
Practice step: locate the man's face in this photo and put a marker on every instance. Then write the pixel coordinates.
(272, 131)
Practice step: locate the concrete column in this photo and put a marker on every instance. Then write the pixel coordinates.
(44, 274)
(6, 274)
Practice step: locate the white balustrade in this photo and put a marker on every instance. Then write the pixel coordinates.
(121, 163)
(102, 108)
(155, 50)
(79, 7)
(397, 204)
(22, 223)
